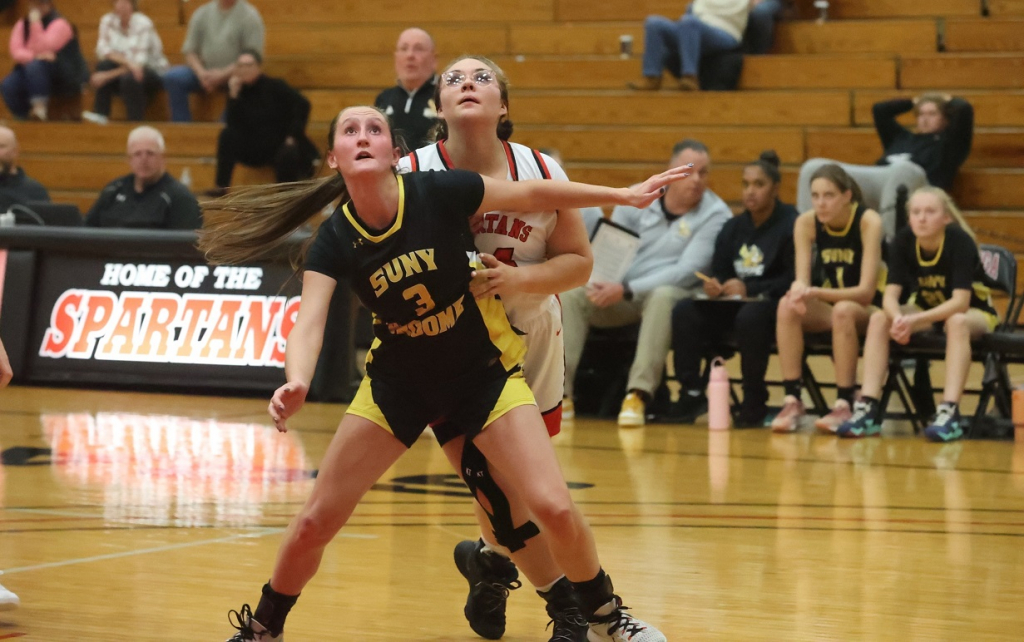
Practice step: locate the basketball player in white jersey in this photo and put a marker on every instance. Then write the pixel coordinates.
(534, 256)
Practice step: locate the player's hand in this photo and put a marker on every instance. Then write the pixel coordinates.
(651, 190)
(287, 401)
(794, 300)
(712, 288)
(901, 329)
(495, 278)
(604, 294)
(734, 287)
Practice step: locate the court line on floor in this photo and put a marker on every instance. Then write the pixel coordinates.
(141, 551)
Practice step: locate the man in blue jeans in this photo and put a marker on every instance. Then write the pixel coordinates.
(708, 26)
(218, 33)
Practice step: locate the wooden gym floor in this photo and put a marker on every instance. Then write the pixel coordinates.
(147, 517)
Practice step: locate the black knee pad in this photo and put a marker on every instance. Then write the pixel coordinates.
(477, 476)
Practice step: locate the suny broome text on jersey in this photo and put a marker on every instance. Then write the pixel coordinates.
(514, 238)
(414, 276)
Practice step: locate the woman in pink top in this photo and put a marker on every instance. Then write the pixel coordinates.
(47, 60)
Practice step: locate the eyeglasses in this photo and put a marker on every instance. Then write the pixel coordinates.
(482, 77)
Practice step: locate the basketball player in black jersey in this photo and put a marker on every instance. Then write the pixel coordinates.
(402, 242)
(846, 238)
(936, 259)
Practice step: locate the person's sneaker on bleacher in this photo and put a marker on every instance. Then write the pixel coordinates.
(839, 415)
(946, 425)
(633, 410)
(788, 419)
(491, 577)
(864, 421)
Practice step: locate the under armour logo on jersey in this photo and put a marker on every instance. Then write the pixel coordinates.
(357, 243)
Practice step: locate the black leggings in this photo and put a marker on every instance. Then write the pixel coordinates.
(700, 327)
(236, 146)
(133, 92)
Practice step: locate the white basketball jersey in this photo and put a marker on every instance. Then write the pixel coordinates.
(512, 237)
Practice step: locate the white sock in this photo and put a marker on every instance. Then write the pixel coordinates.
(547, 588)
(494, 551)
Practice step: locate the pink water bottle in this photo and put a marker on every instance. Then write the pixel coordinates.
(719, 417)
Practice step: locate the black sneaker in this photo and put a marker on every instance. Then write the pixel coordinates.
(249, 630)
(687, 410)
(752, 416)
(564, 610)
(490, 578)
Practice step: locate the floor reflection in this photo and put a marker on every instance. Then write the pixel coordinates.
(176, 471)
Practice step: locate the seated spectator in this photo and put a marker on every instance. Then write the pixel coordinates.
(410, 103)
(838, 263)
(753, 259)
(15, 185)
(130, 59)
(266, 125)
(931, 155)
(48, 61)
(760, 34)
(677, 237)
(935, 260)
(708, 26)
(218, 32)
(149, 197)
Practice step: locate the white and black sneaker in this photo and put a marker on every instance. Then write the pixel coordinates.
(620, 626)
(8, 599)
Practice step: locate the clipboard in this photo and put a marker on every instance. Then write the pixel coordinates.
(614, 247)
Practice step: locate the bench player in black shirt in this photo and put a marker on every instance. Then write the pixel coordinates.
(936, 259)
(404, 243)
(835, 289)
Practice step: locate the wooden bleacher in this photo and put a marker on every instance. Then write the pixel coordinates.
(811, 96)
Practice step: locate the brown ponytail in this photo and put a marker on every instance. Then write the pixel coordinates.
(253, 221)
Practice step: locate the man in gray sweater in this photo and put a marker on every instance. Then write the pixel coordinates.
(218, 32)
(677, 239)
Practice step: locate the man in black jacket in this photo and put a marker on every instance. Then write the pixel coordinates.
(149, 197)
(15, 185)
(410, 103)
(266, 125)
(931, 155)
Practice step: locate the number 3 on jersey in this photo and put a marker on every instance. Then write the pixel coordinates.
(504, 254)
(424, 302)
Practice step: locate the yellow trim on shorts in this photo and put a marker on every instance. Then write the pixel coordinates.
(991, 319)
(515, 393)
(363, 406)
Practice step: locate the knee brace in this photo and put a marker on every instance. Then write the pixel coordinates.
(477, 476)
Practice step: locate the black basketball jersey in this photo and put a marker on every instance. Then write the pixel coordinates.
(931, 279)
(414, 277)
(839, 253)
